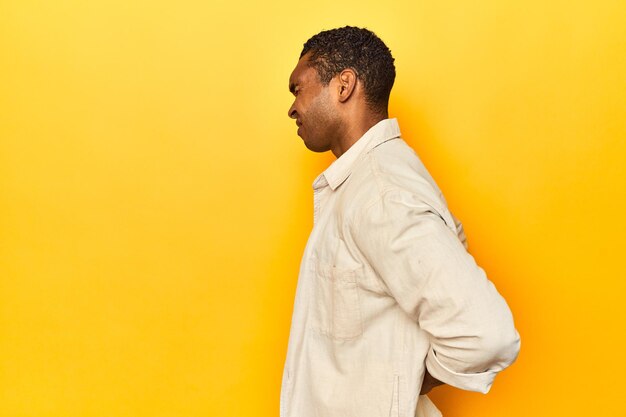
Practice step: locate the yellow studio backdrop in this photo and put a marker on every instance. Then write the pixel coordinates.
(155, 199)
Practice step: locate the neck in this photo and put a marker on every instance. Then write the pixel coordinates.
(356, 129)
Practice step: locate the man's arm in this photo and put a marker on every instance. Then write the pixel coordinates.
(436, 281)
(429, 382)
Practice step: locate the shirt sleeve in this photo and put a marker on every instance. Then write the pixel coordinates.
(428, 271)
(460, 231)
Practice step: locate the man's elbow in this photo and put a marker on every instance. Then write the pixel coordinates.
(474, 361)
(497, 349)
(493, 349)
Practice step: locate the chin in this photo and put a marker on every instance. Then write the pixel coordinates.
(316, 148)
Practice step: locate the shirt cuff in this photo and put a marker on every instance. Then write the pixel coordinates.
(478, 382)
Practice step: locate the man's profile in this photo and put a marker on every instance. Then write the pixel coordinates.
(389, 303)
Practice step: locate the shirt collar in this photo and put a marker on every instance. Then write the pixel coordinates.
(340, 169)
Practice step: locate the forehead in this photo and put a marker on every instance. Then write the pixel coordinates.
(303, 72)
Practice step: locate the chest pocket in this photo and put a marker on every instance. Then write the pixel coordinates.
(337, 309)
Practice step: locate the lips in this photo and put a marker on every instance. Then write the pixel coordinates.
(299, 124)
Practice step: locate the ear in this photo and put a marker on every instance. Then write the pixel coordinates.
(347, 83)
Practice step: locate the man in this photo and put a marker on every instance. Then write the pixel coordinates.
(389, 303)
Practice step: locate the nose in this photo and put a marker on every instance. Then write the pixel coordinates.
(291, 113)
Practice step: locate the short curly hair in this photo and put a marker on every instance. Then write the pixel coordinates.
(360, 49)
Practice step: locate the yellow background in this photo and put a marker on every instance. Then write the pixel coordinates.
(155, 199)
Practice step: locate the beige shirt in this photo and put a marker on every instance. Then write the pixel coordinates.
(387, 290)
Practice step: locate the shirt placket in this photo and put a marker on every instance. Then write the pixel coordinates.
(316, 205)
(318, 196)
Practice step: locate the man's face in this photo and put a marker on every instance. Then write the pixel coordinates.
(313, 108)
